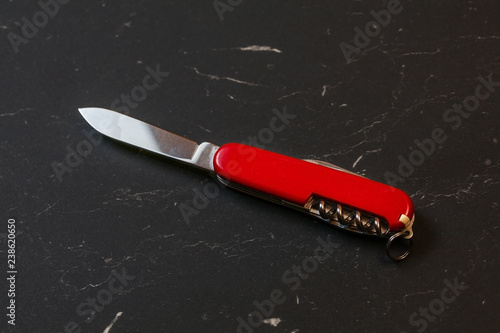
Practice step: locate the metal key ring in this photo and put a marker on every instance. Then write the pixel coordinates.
(392, 240)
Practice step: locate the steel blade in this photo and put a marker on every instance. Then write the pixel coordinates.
(143, 135)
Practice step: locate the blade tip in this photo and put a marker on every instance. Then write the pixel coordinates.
(88, 114)
(82, 111)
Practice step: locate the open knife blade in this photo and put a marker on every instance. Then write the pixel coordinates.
(145, 136)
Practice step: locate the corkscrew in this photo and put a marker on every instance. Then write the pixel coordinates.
(354, 220)
(323, 190)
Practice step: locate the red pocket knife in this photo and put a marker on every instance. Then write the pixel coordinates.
(325, 191)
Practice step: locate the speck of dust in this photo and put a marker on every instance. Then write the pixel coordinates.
(272, 321)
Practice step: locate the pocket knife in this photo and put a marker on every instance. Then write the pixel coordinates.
(323, 190)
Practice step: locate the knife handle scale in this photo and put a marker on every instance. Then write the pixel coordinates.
(296, 180)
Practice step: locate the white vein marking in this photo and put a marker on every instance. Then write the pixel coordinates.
(324, 91)
(14, 113)
(356, 162)
(118, 315)
(253, 48)
(365, 153)
(258, 48)
(215, 77)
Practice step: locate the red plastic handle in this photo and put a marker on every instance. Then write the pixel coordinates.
(295, 180)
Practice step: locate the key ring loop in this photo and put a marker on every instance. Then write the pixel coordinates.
(391, 241)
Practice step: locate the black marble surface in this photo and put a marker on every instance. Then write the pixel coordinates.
(101, 243)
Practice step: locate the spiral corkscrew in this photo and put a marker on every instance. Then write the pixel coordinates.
(360, 222)
(352, 218)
